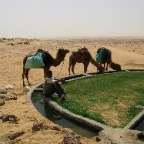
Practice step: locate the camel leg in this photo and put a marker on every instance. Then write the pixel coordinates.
(23, 75)
(98, 67)
(69, 69)
(107, 67)
(45, 72)
(72, 69)
(85, 67)
(26, 74)
(104, 67)
(70, 64)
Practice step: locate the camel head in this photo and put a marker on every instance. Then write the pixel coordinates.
(62, 53)
(115, 66)
(101, 69)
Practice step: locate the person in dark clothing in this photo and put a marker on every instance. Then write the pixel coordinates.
(52, 86)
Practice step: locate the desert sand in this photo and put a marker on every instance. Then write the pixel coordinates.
(128, 52)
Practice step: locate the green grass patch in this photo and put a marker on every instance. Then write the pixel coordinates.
(110, 99)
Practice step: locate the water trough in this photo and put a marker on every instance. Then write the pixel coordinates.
(81, 125)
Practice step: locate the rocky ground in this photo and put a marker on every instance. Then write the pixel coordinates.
(21, 122)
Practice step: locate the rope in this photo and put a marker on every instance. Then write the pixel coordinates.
(60, 70)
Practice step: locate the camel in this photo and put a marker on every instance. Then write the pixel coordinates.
(47, 60)
(82, 56)
(104, 56)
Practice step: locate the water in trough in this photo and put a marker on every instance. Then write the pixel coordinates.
(52, 115)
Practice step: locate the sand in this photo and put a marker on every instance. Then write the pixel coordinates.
(128, 52)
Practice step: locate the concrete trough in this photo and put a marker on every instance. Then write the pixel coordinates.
(80, 119)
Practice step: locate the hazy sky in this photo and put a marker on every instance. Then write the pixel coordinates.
(68, 18)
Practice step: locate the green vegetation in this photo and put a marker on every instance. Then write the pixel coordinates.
(37, 96)
(111, 99)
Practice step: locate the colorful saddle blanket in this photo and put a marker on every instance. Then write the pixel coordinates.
(34, 61)
(99, 54)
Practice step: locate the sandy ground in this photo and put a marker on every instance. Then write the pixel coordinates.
(128, 52)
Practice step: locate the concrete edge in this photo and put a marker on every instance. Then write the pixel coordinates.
(135, 121)
(30, 92)
(80, 119)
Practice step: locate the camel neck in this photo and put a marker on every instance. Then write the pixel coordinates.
(57, 61)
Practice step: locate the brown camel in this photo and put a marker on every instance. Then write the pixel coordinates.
(104, 56)
(46, 59)
(82, 56)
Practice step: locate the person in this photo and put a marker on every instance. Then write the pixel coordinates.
(52, 86)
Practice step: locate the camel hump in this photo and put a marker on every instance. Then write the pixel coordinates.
(80, 50)
(35, 52)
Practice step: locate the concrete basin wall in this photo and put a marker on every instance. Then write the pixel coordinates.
(85, 121)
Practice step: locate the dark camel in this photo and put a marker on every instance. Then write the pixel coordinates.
(48, 61)
(82, 56)
(106, 59)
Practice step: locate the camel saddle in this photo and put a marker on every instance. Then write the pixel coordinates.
(99, 55)
(35, 61)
